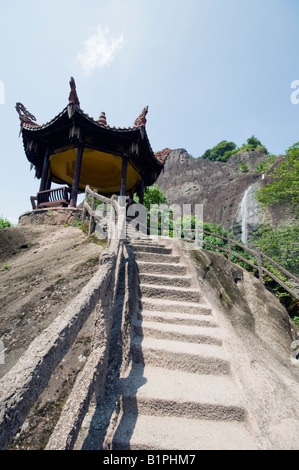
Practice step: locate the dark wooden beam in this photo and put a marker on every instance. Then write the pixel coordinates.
(45, 172)
(141, 191)
(76, 178)
(130, 200)
(123, 178)
(49, 181)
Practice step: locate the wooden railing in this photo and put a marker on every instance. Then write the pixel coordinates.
(95, 215)
(258, 254)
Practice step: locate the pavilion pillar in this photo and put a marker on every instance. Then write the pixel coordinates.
(130, 200)
(76, 178)
(45, 172)
(123, 178)
(141, 192)
(49, 181)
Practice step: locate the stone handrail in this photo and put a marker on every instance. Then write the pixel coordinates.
(94, 215)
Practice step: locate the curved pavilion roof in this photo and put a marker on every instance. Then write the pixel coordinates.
(104, 147)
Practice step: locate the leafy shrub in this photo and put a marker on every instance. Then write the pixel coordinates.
(285, 185)
(224, 150)
(221, 152)
(281, 244)
(152, 195)
(254, 142)
(4, 223)
(243, 167)
(264, 166)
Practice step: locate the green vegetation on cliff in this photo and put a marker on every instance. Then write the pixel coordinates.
(285, 185)
(224, 150)
(221, 152)
(152, 195)
(281, 244)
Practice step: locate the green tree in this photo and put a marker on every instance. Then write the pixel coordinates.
(221, 152)
(285, 185)
(152, 195)
(224, 150)
(254, 142)
(4, 223)
(264, 166)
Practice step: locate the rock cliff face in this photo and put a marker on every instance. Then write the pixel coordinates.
(220, 187)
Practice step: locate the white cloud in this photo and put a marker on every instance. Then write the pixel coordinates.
(99, 50)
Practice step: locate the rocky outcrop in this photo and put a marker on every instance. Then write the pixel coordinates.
(23, 384)
(218, 186)
(260, 339)
(55, 216)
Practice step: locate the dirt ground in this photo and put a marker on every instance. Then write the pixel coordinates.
(41, 269)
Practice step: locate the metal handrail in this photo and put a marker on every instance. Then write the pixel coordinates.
(229, 250)
(258, 254)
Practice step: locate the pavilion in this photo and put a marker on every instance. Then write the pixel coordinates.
(75, 150)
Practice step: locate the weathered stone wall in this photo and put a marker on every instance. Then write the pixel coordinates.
(112, 334)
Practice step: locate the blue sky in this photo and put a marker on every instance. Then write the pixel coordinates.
(209, 70)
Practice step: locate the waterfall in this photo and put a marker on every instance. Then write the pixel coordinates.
(249, 214)
(244, 216)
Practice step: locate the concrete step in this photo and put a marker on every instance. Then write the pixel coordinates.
(161, 392)
(172, 293)
(156, 257)
(171, 269)
(147, 242)
(171, 331)
(162, 305)
(166, 280)
(150, 239)
(131, 237)
(143, 432)
(179, 318)
(151, 249)
(135, 235)
(189, 357)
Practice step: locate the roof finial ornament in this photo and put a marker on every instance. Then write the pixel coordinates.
(141, 120)
(162, 155)
(73, 98)
(102, 119)
(24, 115)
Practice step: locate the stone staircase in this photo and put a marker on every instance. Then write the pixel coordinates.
(179, 392)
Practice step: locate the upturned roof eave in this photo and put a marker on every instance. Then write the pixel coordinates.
(28, 128)
(32, 127)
